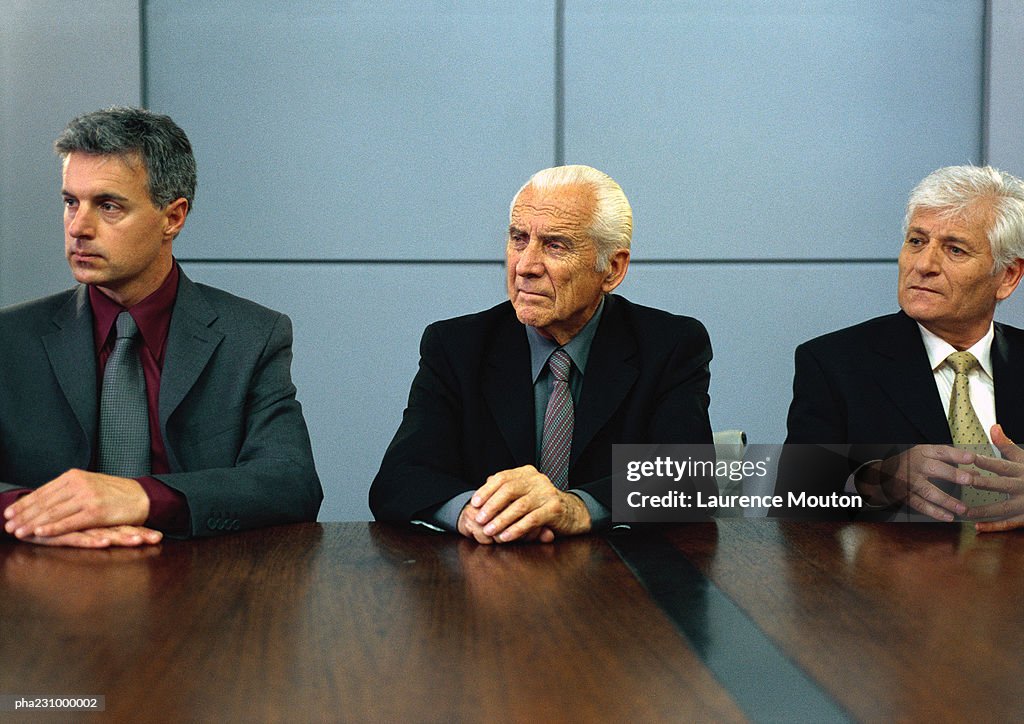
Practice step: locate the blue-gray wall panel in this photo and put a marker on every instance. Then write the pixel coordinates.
(355, 130)
(51, 70)
(756, 316)
(771, 129)
(1005, 117)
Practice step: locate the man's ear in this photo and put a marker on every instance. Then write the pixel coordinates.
(1011, 276)
(616, 271)
(174, 217)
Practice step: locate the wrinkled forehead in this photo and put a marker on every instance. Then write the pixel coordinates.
(975, 219)
(566, 207)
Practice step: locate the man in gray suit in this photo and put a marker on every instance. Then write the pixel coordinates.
(219, 440)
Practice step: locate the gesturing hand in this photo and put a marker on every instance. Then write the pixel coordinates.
(1009, 479)
(907, 478)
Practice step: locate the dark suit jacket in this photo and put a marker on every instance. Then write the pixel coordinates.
(470, 411)
(869, 391)
(235, 437)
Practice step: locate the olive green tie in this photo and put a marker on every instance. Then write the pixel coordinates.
(968, 433)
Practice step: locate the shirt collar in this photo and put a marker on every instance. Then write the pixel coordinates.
(578, 347)
(152, 314)
(939, 349)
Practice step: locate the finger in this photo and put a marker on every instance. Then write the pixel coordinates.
(94, 538)
(75, 514)
(546, 516)
(935, 496)
(999, 466)
(512, 513)
(485, 491)
(132, 535)
(468, 528)
(995, 526)
(997, 483)
(62, 518)
(479, 536)
(1005, 445)
(30, 509)
(529, 523)
(922, 505)
(1001, 509)
(948, 454)
(498, 503)
(939, 470)
(496, 481)
(152, 536)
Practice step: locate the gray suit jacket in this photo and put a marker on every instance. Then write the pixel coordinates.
(236, 440)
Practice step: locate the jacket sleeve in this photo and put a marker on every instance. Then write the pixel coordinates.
(243, 452)
(422, 466)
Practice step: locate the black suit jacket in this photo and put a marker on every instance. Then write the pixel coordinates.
(470, 411)
(867, 392)
(235, 437)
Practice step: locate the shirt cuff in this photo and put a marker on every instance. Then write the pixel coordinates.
(168, 509)
(447, 516)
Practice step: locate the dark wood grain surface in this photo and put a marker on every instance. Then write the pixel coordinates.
(348, 622)
(372, 622)
(904, 622)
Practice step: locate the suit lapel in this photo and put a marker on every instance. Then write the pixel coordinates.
(1007, 364)
(508, 389)
(609, 376)
(904, 374)
(72, 354)
(190, 344)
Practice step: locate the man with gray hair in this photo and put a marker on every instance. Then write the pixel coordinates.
(140, 403)
(512, 416)
(915, 397)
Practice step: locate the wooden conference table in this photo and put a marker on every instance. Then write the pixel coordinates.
(739, 619)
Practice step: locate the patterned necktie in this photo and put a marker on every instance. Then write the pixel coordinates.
(124, 413)
(967, 430)
(559, 418)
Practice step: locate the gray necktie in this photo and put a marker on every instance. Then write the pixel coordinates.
(967, 431)
(124, 414)
(556, 440)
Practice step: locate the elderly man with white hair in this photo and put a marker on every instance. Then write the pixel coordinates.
(920, 395)
(511, 419)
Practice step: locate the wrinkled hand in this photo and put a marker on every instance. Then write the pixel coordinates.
(907, 478)
(471, 529)
(78, 500)
(1009, 479)
(522, 504)
(114, 536)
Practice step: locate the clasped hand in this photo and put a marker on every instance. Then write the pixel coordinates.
(909, 478)
(1009, 479)
(83, 509)
(522, 504)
